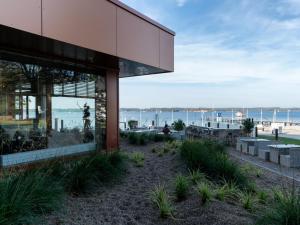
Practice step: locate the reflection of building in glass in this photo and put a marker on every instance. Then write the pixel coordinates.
(52, 50)
(26, 110)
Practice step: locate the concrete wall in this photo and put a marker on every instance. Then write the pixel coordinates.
(38, 155)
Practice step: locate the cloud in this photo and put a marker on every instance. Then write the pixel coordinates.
(181, 3)
(230, 53)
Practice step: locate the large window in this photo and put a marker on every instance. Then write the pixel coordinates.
(47, 107)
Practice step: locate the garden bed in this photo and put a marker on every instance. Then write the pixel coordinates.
(129, 202)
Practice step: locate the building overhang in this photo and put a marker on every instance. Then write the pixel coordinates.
(98, 34)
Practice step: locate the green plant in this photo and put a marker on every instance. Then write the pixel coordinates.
(212, 158)
(248, 169)
(92, 170)
(262, 197)
(181, 187)
(248, 201)
(142, 139)
(228, 191)
(205, 192)
(158, 137)
(196, 176)
(160, 198)
(80, 176)
(166, 149)
(138, 158)
(26, 195)
(284, 209)
(132, 138)
(248, 126)
(153, 150)
(178, 125)
(160, 153)
(132, 124)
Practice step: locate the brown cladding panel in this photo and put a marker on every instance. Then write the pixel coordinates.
(89, 23)
(137, 39)
(112, 111)
(166, 51)
(23, 15)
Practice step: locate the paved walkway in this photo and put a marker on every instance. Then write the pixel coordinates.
(292, 173)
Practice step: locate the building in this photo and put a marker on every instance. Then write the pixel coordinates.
(57, 49)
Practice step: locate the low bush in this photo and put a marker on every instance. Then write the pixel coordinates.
(262, 197)
(138, 159)
(196, 176)
(178, 125)
(181, 187)
(26, 195)
(205, 192)
(212, 158)
(133, 138)
(160, 198)
(228, 191)
(250, 170)
(283, 210)
(93, 170)
(248, 201)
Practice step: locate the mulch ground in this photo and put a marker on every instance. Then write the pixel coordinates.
(128, 203)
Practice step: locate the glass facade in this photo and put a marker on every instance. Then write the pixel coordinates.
(47, 107)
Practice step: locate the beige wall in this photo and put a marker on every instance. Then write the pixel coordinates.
(102, 25)
(23, 15)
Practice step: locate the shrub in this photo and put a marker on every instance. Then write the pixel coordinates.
(160, 198)
(132, 138)
(196, 176)
(132, 124)
(228, 191)
(158, 137)
(160, 153)
(27, 195)
(142, 139)
(205, 192)
(178, 125)
(212, 158)
(30, 193)
(284, 210)
(153, 150)
(248, 201)
(250, 170)
(262, 197)
(181, 187)
(138, 158)
(248, 126)
(80, 177)
(92, 170)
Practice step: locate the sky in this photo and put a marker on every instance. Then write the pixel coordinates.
(228, 53)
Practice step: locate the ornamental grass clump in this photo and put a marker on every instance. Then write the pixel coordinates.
(229, 191)
(93, 170)
(26, 195)
(205, 192)
(283, 210)
(181, 187)
(251, 170)
(212, 158)
(248, 201)
(196, 176)
(160, 198)
(262, 197)
(138, 159)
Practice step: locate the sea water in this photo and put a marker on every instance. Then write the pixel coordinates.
(199, 118)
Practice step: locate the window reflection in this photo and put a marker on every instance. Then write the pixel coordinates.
(46, 107)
